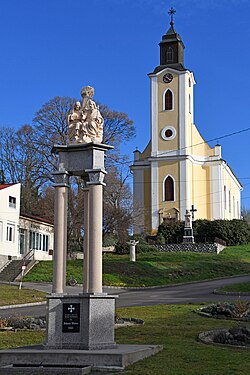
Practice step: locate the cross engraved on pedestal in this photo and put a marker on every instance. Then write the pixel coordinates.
(71, 309)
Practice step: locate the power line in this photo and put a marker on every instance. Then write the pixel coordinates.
(186, 147)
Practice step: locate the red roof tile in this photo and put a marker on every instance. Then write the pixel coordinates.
(3, 186)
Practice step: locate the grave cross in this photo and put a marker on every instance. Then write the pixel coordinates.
(193, 210)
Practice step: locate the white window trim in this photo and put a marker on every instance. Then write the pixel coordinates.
(12, 204)
(163, 188)
(163, 100)
(13, 227)
(163, 131)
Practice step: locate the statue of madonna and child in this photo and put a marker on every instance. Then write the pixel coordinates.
(85, 122)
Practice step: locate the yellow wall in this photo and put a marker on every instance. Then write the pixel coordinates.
(168, 117)
(199, 147)
(168, 168)
(200, 191)
(147, 152)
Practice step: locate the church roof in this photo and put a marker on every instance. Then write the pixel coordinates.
(179, 67)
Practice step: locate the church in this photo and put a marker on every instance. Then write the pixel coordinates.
(178, 170)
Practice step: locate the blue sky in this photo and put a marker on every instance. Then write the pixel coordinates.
(55, 47)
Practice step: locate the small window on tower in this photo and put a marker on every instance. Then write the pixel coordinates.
(168, 100)
(170, 55)
(169, 189)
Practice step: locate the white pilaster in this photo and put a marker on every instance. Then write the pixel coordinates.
(183, 105)
(183, 189)
(154, 195)
(216, 191)
(154, 114)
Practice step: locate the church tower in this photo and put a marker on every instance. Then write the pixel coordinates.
(178, 169)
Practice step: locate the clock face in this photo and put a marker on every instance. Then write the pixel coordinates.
(167, 78)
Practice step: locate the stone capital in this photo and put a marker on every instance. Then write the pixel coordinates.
(61, 179)
(96, 176)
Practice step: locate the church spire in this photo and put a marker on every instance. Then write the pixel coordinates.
(171, 47)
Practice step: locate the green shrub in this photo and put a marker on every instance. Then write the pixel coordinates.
(170, 232)
(232, 232)
(140, 248)
(122, 248)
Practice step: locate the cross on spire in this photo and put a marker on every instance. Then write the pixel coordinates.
(171, 12)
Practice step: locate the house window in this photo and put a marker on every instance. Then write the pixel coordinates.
(233, 207)
(10, 233)
(39, 241)
(170, 55)
(229, 201)
(169, 189)
(12, 202)
(45, 242)
(168, 100)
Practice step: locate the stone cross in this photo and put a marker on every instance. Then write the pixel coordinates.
(193, 210)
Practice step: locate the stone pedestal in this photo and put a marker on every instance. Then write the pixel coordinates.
(188, 235)
(81, 321)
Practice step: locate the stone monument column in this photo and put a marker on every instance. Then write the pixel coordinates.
(60, 231)
(95, 184)
(86, 240)
(132, 244)
(188, 230)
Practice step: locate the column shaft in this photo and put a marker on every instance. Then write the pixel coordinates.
(60, 239)
(86, 242)
(95, 238)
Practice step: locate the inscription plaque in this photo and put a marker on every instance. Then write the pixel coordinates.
(71, 317)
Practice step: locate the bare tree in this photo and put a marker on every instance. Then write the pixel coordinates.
(22, 162)
(117, 205)
(25, 156)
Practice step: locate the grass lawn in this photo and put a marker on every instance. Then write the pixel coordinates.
(11, 295)
(175, 327)
(157, 268)
(239, 287)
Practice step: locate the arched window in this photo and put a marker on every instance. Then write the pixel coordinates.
(168, 100)
(170, 55)
(169, 189)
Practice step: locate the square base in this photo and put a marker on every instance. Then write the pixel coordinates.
(84, 321)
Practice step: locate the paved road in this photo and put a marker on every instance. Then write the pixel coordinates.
(187, 293)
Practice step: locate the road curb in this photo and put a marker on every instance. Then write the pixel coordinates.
(217, 291)
(22, 305)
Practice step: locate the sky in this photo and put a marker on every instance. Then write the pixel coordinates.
(55, 47)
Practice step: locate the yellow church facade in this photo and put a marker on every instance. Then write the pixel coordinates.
(178, 170)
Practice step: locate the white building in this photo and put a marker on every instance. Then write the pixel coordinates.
(21, 234)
